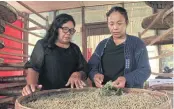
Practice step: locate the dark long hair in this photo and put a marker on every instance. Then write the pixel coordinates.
(120, 10)
(52, 33)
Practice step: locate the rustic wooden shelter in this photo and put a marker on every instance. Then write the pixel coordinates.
(10, 11)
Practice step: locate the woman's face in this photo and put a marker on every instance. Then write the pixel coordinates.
(117, 25)
(66, 32)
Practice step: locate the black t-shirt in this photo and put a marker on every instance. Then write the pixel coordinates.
(113, 61)
(55, 65)
(58, 66)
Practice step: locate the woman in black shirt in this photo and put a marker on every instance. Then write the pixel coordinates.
(55, 61)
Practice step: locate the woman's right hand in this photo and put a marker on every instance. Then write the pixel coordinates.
(28, 89)
(98, 80)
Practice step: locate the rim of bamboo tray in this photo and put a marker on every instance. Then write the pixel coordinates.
(7, 12)
(18, 104)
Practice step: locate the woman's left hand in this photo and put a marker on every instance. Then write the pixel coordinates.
(75, 80)
(119, 82)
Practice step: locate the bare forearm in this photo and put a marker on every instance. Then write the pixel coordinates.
(32, 76)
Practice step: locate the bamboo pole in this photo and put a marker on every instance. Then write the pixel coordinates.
(31, 20)
(10, 69)
(19, 65)
(9, 85)
(170, 30)
(23, 30)
(7, 99)
(15, 39)
(11, 79)
(167, 40)
(10, 58)
(32, 10)
(14, 54)
(13, 48)
(11, 92)
(162, 55)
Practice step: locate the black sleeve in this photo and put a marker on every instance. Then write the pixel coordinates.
(82, 66)
(37, 57)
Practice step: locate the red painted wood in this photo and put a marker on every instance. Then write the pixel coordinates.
(17, 34)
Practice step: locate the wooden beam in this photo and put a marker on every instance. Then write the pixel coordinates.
(34, 28)
(166, 33)
(15, 39)
(167, 40)
(11, 91)
(2, 57)
(17, 65)
(23, 30)
(13, 48)
(9, 85)
(14, 54)
(11, 79)
(162, 55)
(10, 69)
(7, 100)
(32, 10)
(31, 20)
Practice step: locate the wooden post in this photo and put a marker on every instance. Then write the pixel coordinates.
(84, 37)
(31, 20)
(25, 35)
(27, 7)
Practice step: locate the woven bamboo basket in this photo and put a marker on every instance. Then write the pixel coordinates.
(7, 12)
(34, 96)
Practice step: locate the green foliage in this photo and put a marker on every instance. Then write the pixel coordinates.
(109, 90)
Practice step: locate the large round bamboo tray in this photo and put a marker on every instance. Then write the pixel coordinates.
(34, 96)
(159, 4)
(165, 88)
(162, 24)
(7, 12)
(2, 26)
